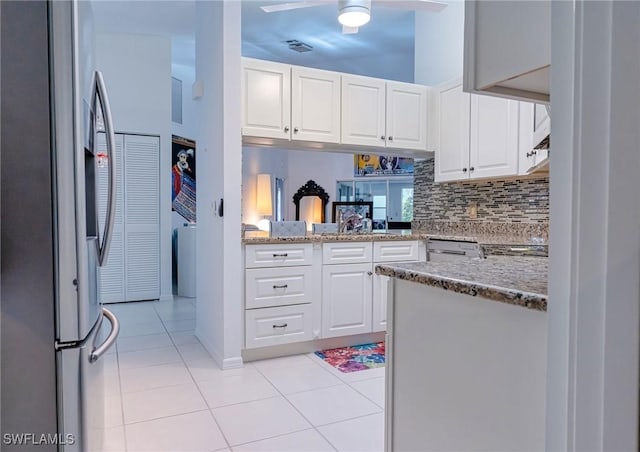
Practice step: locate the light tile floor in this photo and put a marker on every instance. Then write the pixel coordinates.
(165, 393)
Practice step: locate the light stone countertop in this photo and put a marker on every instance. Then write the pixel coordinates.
(516, 280)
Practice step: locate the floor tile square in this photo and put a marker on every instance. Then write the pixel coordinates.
(285, 361)
(373, 389)
(363, 434)
(229, 390)
(258, 420)
(207, 369)
(145, 342)
(113, 411)
(162, 402)
(193, 352)
(304, 441)
(289, 380)
(113, 440)
(184, 338)
(150, 377)
(327, 405)
(193, 432)
(150, 357)
(180, 325)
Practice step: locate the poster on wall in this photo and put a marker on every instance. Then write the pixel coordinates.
(382, 165)
(183, 177)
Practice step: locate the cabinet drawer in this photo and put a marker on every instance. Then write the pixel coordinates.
(278, 255)
(275, 326)
(396, 251)
(266, 287)
(346, 253)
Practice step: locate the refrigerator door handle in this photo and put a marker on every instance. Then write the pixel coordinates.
(100, 90)
(97, 352)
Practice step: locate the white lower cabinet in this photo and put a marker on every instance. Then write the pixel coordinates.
(346, 299)
(276, 326)
(379, 303)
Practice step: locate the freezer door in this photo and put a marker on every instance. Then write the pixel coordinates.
(81, 388)
(77, 249)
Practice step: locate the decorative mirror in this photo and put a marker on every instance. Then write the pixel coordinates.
(311, 203)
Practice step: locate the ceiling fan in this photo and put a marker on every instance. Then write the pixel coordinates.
(353, 14)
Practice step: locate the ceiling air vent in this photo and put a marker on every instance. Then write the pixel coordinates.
(298, 46)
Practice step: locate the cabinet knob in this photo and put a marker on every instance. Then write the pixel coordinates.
(382, 137)
(471, 169)
(286, 129)
(464, 170)
(369, 273)
(390, 138)
(295, 130)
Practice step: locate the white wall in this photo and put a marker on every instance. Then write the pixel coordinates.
(219, 248)
(137, 72)
(439, 44)
(325, 168)
(256, 161)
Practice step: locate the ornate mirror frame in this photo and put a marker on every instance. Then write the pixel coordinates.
(311, 189)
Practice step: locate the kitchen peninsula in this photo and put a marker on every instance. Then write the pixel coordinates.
(466, 348)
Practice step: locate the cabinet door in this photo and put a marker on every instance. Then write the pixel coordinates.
(363, 111)
(315, 105)
(526, 159)
(111, 277)
(266, 99)
(407, 116)
(379, 304)
(451, 127)
(346, 299)
(142, 216)
(494, 137)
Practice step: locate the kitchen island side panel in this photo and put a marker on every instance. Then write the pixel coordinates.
(468, 373)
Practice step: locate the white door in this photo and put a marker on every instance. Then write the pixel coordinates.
(111, 277)
(407, 116)
(346, 299)
(526, 158)
(363, 111)
(266, 99)
(451, 127)
(142, 217)
(494, 137)
(315, 105)
(379, 305)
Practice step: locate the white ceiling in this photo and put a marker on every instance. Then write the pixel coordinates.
(382, 48)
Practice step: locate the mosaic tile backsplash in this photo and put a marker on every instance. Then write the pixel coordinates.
(504, 201)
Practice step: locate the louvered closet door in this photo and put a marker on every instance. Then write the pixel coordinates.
(142, 217)
(111, 276)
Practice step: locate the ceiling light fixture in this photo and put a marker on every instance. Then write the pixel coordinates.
(354, 13)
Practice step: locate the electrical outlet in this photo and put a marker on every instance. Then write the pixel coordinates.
(472, 210)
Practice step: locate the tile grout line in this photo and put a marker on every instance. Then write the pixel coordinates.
(298, 411)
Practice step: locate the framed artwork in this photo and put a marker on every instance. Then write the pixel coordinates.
(349, 215)
(183, 177)
(382, 165)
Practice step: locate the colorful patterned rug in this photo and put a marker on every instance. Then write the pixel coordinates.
(355, 358)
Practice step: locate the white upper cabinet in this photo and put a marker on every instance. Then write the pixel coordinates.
(534, 127)
(384, 113)
(475, 136)
(266, 99)
(406, 116)
(315, 105)
(451, 132)
(494, 137)
(507, 48)
(363, 111)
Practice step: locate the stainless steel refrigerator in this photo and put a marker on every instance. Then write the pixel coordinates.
(53, 331)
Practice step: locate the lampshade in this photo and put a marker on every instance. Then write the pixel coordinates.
(264, 204)
(354, 13)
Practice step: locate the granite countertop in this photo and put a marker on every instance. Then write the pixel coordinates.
(261, 237)
(516, 280)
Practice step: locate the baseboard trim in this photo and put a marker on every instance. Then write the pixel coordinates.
(235, 362)
(166, 298)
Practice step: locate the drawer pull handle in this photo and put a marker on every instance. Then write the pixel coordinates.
(280, 255)
(369, 273)
(284, 286)
(284, 325)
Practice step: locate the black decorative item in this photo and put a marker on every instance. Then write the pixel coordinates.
(311, 189)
